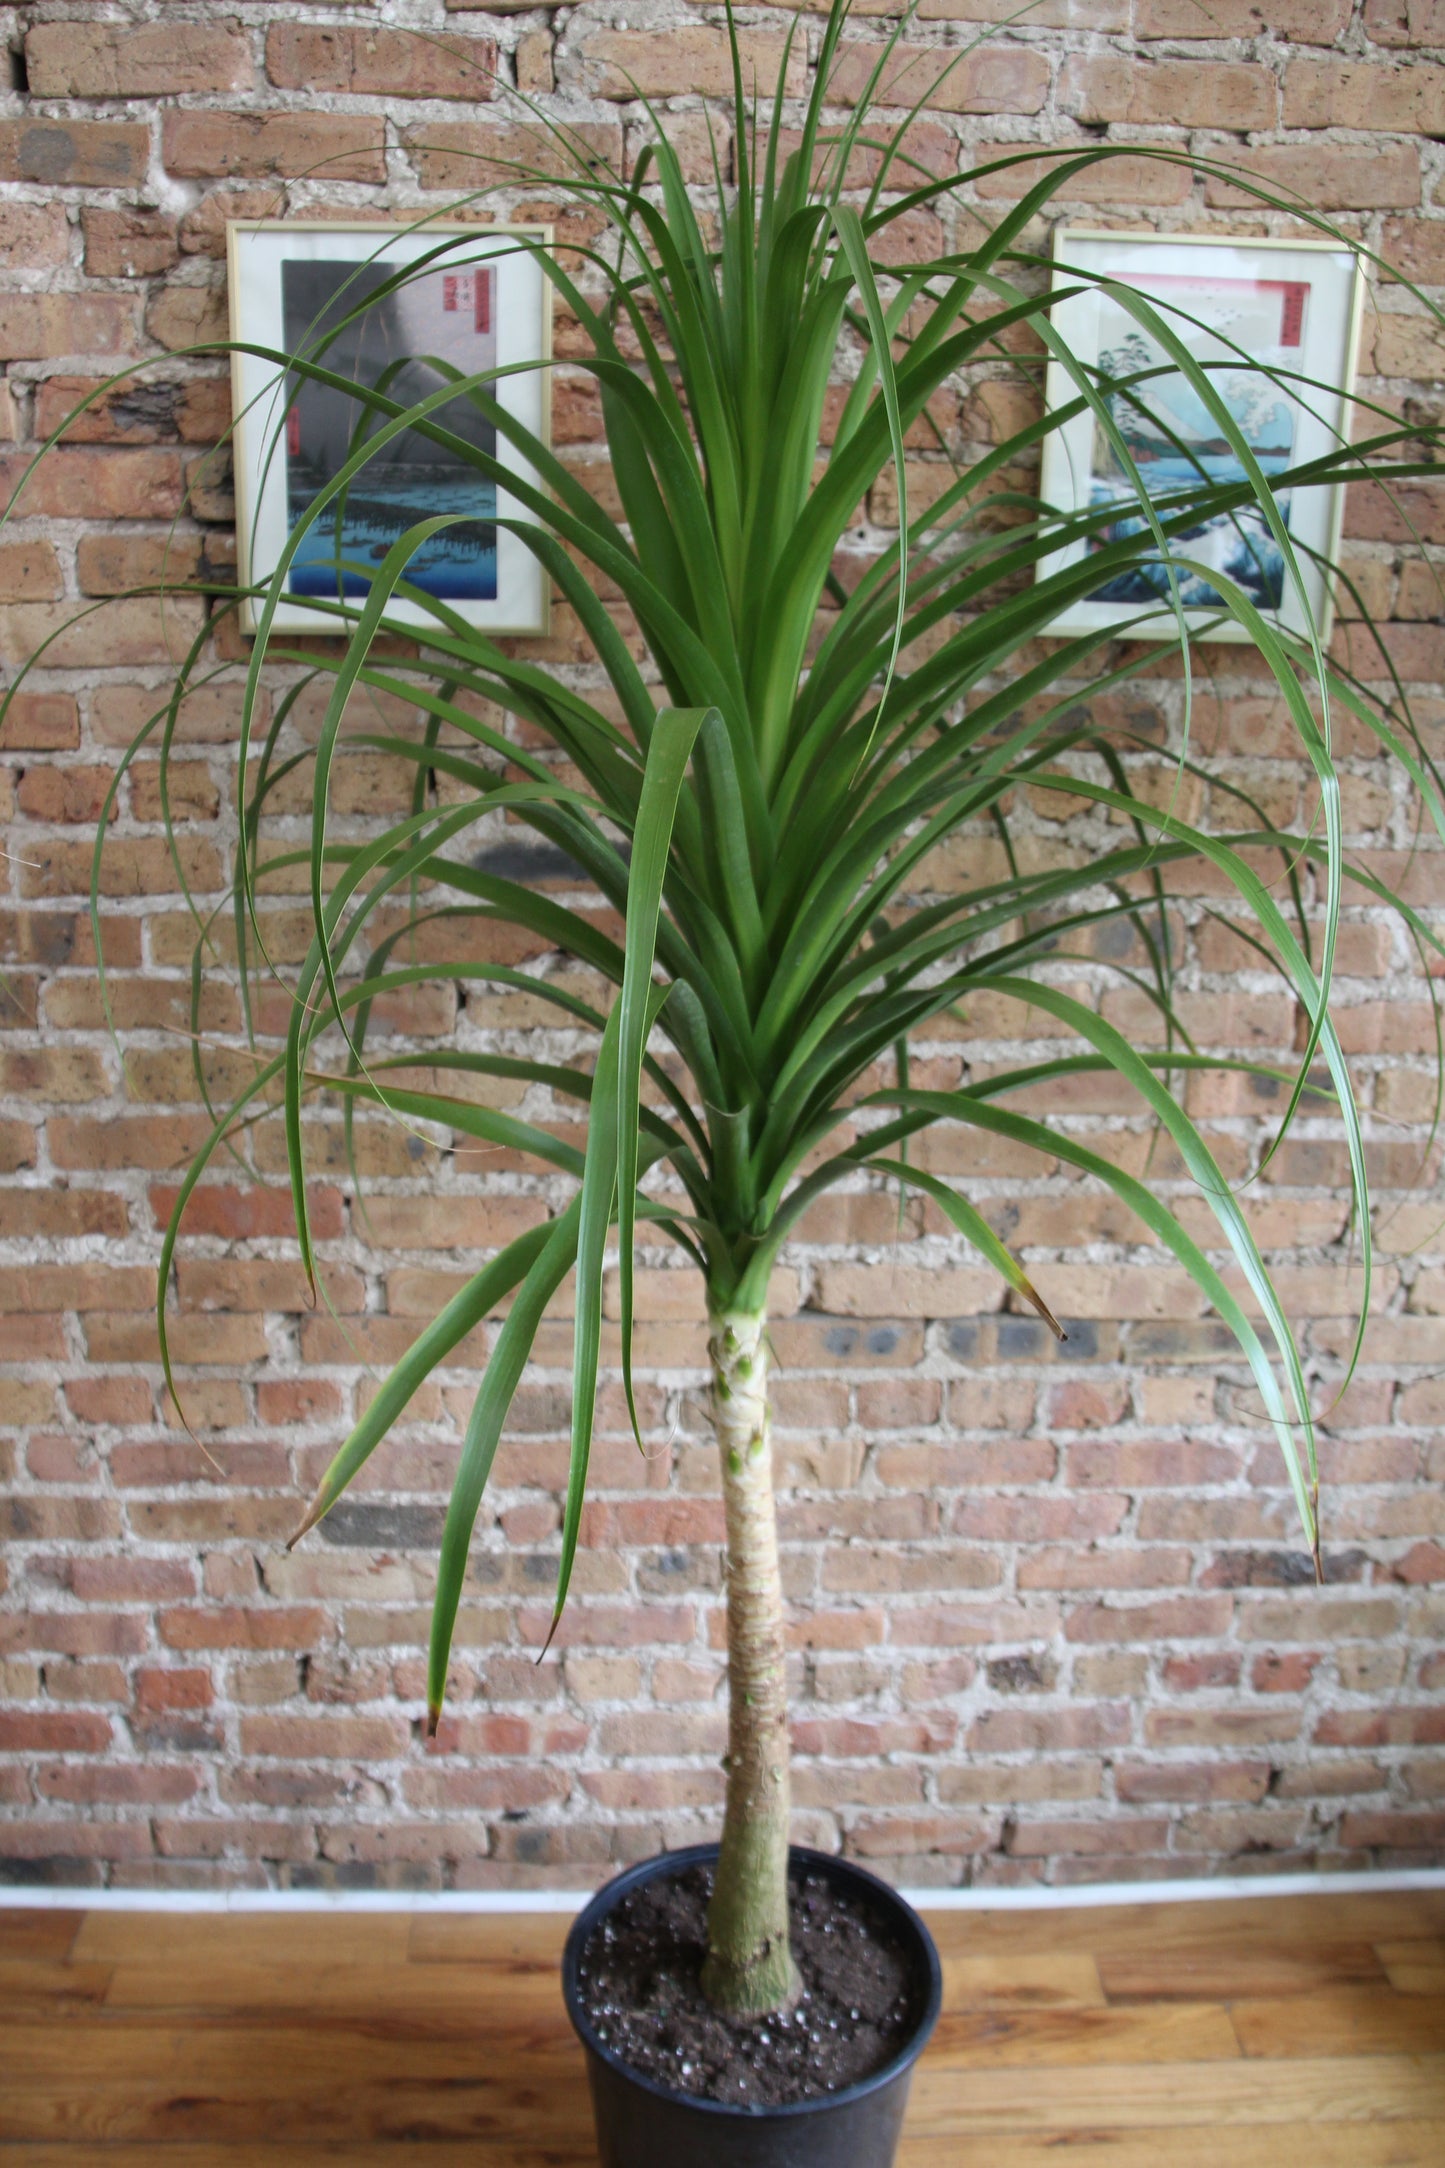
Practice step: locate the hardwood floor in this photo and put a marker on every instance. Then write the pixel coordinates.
(1253, 2034)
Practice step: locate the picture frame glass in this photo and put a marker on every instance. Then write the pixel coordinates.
(474, 300)
(1242, 307)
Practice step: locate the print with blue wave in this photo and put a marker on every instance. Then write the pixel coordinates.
(1176, 443)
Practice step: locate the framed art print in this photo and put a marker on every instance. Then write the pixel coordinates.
(480, 300)
(1240, 306)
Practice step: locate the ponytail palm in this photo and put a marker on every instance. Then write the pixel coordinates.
(761, 801)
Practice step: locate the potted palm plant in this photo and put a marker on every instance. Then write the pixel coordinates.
(757, 801)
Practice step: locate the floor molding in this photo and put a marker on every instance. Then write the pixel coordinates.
(1033, 1899)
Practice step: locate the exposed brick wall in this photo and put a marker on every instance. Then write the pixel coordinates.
(1050, 1611)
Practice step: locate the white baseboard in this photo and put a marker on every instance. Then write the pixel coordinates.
(1036, 1898)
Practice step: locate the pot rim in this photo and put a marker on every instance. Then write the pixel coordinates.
(833, 1864)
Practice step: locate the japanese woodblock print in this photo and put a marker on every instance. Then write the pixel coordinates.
(1274, 326)
(474, 303)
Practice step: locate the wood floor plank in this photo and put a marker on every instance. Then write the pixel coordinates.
(1342, 2021)
(1216, 1972)
(998, 1981)
(1005, 2039)
(169, 2079)
(1177, 2095)
(1294, 2145)
(455, 1998)
(37, 1933)
(274, 1938)
(31, 1983)
(1414, 1968)
(1386, 2145)
(513, 2152)
(1254, 2034)
(272, 2153)
(514, 1940)
(1227, 1923)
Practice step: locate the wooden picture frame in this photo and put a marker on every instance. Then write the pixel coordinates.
(1295, 305)
(479, 300)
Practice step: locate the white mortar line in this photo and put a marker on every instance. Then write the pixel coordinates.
(1034, 1899)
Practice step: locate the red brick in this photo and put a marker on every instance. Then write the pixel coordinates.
(53, 1732)
(129, 1580)
(990, 79)
(29, 572)
(202, 143)
(40, 722)
(86, 484)
(1159, 1464)
(181, 317)
(231, 1626)
(1219, 1727)
(38, 326)
(33, 235)
(362, 1738)
(128, 244)
(106, 60)
(236, 1284)
(1405, 22)
(157, 1689)
(131, 1141)
(1423, 1726)
(1311, 22)
(121, 1785)
(467, 154)
(1346, 94)
(392, 63)
(1120, 1835)
(1196, 1674)
(1126, 177)
(1394, 1831)
(71, 1840)
(1178, 1618)
(1416, 248)
(74, 153)
(1337, 177)
(128, 867)
(1149, 1783)
(1168, 93)
(693, 58)
(1289, 1674)
(903, 1836)
(1043, 1731)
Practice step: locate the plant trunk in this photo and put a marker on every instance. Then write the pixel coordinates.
(749, 1968)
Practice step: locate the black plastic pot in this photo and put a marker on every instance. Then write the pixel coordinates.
(641, 2124)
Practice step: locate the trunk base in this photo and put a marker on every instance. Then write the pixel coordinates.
(769, 1982)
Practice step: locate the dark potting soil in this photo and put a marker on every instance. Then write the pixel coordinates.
(639, 1984)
